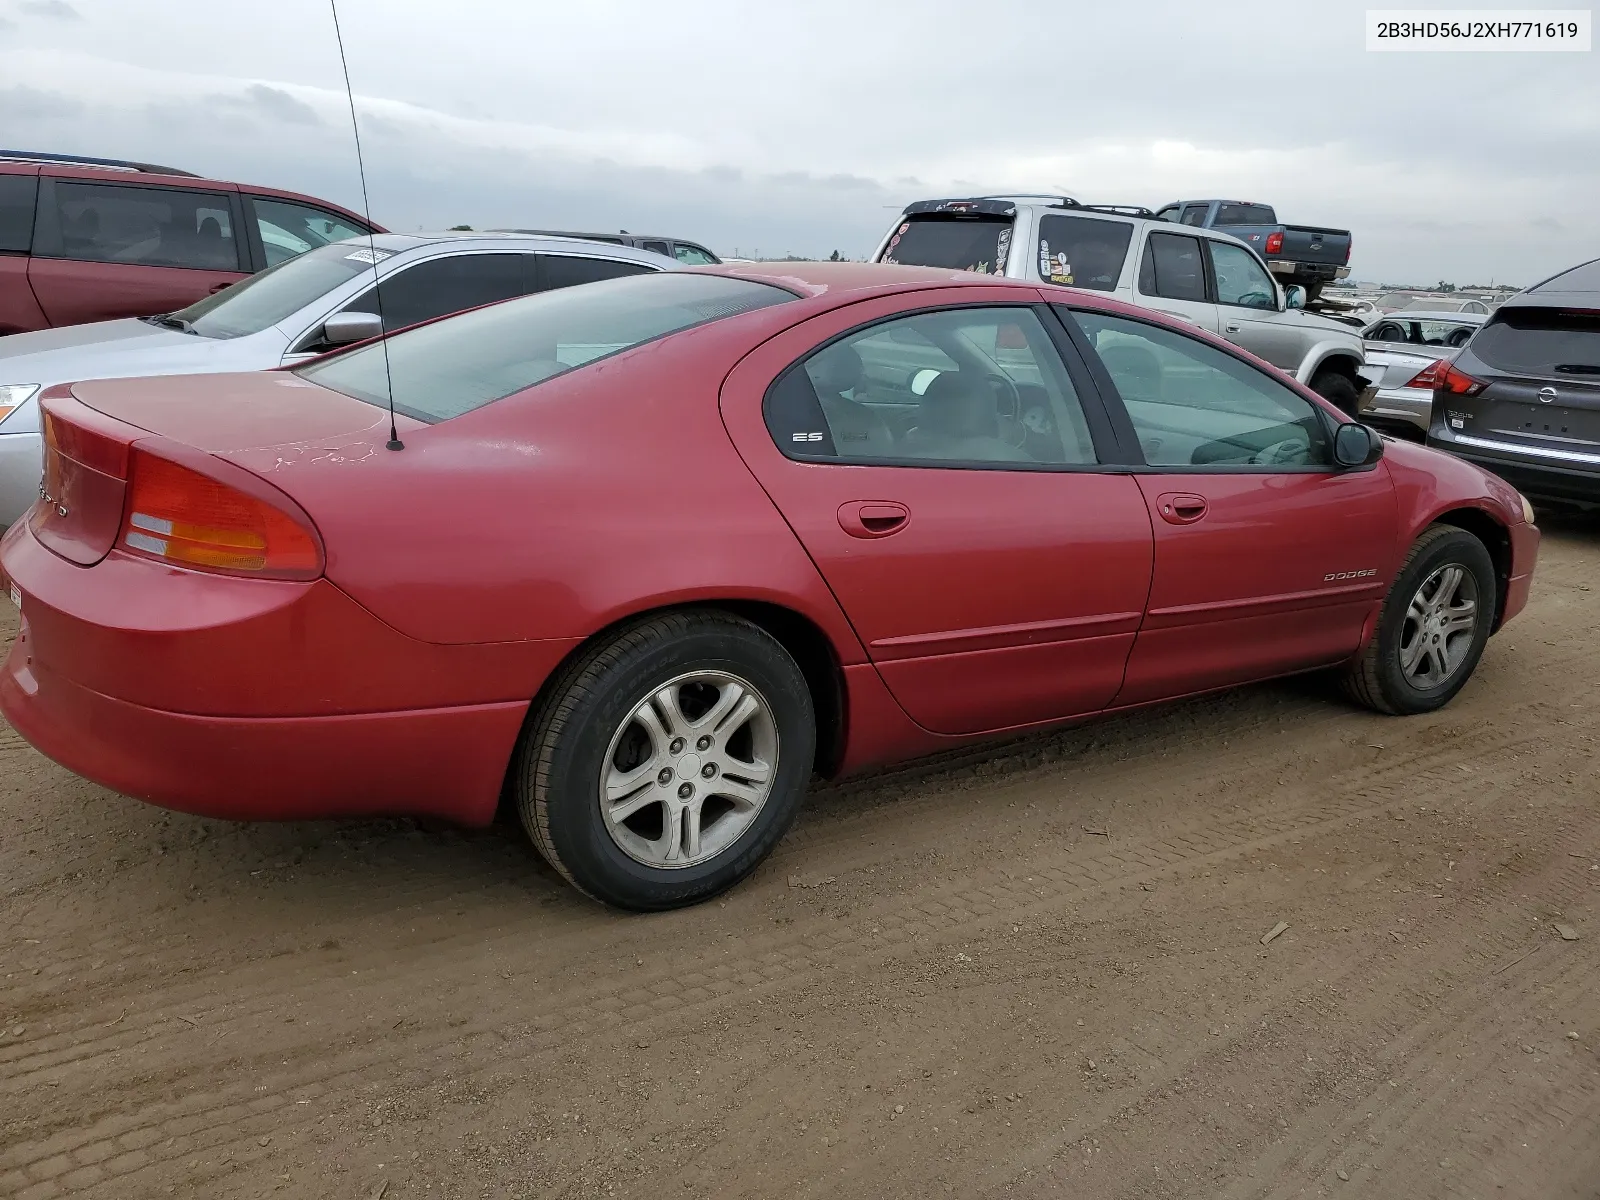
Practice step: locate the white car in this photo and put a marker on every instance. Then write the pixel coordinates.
(288, 313)
(1404, 350)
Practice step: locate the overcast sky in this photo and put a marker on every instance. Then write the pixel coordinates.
(761, 125)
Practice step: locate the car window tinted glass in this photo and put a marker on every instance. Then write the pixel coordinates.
(1245, 214)
(446, 285)
(1241, 279)
(289, 229)
(457, 365)
(263, 300)
(568, 270)
(1585, 278)
(692, 255)
(1168, 214)
(1542, 341)
(18, 194)
(1193, 405)
(1172, 268)
(976, 386)
(960, 243)
(1083, 252)
(145, 226)
(1195, 214)
(656, 247)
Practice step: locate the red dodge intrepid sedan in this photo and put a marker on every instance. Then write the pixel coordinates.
(658, 549)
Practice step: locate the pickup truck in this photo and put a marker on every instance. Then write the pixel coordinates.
(1307, 255)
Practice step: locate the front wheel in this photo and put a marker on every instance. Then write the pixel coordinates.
(667, 762)
(1339, 390)
(1435, 623)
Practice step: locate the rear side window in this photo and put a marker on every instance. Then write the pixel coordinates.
(18, 194)
(1541, 341)
(145, 226)
(447, 285)
(656, 247)
(569, 270)
(1245, 214)
(460, 364)
(1083, 252)
(961, 243)
(289, 229)
(1172, 268)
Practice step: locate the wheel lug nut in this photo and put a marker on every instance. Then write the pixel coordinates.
(676, 747)
(665, 777)
(703, 744)
(686, 791)
(709, 770)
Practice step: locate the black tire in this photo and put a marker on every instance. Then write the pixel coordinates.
(1376, 679)
(1339, 390)
(558, 765)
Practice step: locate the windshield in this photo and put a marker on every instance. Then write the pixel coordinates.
(464, 362)
(263, 300)
(961, 243)
(1541, 341)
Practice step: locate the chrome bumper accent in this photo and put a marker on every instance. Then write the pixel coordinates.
(1572, 456)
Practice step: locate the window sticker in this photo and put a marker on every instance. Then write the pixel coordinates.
(1001, 251)
(373, 256)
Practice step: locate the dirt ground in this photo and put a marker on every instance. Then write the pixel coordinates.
(1034, 970)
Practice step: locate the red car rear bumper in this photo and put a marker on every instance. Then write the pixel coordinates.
(443, 762)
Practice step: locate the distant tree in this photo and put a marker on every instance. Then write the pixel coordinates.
(461, 229)
(1445, 287)
(835, 257)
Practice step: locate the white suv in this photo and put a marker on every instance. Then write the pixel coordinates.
(1197, 275)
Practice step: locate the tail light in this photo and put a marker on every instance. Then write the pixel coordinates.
(1349, 245)
(1274, 242)
(1457, 383)
(192, 518)
(1431, 376)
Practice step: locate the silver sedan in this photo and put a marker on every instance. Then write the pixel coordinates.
(300, 308)
(1403, 350)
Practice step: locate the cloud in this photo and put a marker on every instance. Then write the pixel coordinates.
(34, 104)
(55, 10)
(280, 105)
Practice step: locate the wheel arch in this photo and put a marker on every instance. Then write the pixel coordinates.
(1335, 358)
(1496, 538)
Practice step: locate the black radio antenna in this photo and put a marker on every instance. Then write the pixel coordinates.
(372, 245)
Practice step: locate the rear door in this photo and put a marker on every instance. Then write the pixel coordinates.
(107, 250)
(1268, 559)
(1541, 391)
(1172, 279)
(19, 192)
(942, 470)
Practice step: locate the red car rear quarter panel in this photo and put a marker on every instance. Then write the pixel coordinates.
(551, 514)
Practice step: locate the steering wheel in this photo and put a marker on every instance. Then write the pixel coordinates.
(1290, 450)
(1458, 337)
(1006, 394)
(1256, 300)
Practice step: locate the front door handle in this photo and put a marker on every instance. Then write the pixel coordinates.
(218, 287)
(1232, 328)
(1180, 508)
(873, 518)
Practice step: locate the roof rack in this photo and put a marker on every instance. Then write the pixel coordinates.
(78, 160)
(1121, 210)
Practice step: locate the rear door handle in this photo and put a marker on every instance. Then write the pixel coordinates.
(1180, 508)
(873, 518)
(218, 287)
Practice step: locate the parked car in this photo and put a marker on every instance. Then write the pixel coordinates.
(658, 549)
(1451, 304)
(288, 313)
(91, 239)
(690, 254)
(1201, 276)
(1308, 255)
(1405, 354)
(1523, 397)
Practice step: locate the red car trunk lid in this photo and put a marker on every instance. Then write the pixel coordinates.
(85, 479)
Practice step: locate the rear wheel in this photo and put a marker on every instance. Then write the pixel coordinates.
(1339, 390)
(1435, 622)
(667, 762)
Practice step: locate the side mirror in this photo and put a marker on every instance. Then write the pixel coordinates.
(1294, 296)
(1356, 445)
(342, 329)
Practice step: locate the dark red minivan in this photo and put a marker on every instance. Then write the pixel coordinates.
(86, 239)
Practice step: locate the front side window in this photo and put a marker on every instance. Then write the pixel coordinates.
(1193, 405)
(1170, 213)
(978, 244)
(289, 229)
(972, 386)
(1083, 252)
(569, 270)
(263, 300)
(692, 256)
(446, 285)
(1172, 268)
(146, 226)
(1241, 279)
(467, 361)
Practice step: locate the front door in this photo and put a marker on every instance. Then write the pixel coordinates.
(942, 472)
(1247, 308)
(109, 250)
(1268, 559)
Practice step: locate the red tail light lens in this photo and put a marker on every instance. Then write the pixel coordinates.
(186, 518)
(1431, 376)
(1274, 242)
(1457, 383)
(1349, 245)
